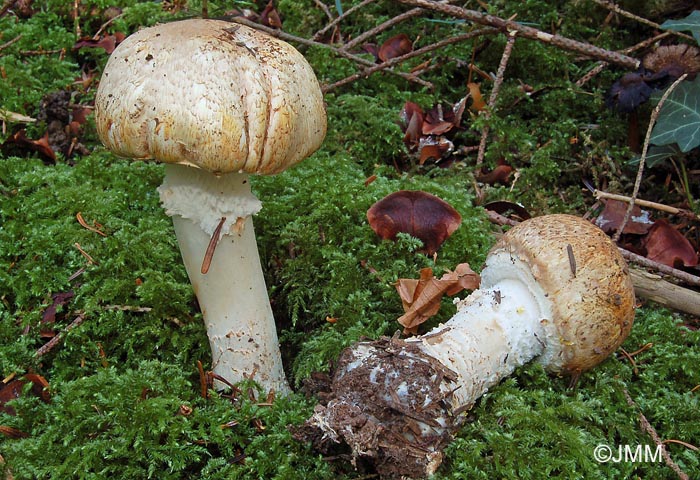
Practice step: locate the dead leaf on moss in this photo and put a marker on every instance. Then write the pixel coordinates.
(665, 244)
(421, 298)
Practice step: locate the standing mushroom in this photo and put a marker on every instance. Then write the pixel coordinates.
(215, 101)
(554, 289)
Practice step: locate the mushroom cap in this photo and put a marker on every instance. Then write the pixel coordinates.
(587, 288)
(420, 214)
(211, 94)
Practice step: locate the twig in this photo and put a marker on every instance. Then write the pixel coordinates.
(51, 344)
(325, 8)
(642, 159)
(646, 203)
(616, 9)
(649, 429)
(317, 36)
(527, 32)
(360, 39)
(494, 95)
(303, 41)
(396, 60)
(10, 42)
(685, 277)
(601, 65)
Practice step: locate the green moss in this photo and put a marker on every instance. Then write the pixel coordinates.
(119, 379)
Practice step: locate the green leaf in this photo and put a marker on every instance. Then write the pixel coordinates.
(691, 23)
(679, 119)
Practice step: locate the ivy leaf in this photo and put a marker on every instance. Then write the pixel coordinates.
(679, 119)
(691, 23)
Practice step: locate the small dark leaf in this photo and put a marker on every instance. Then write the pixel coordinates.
(395, 47)
(503, 207)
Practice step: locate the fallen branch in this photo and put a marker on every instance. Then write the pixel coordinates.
(653, 287)
(646, 203)
(649, 429)
(527, 32)
(310, 43)
(402, 58)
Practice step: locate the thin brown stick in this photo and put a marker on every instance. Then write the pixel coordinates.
(616, 9)
(51, 344)
(325, 8)
(649, 429)
(494, 95)
(10, 42)
(317, 36)
(303, 41)
(601, 65)
(527, 32)
(646, 203)
(685, 277)
(642, 158)
(362, 38)
(402, 58)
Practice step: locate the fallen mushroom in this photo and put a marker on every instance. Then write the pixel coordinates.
(554, 289)
(215, 101)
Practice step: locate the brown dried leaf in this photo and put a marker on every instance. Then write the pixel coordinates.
(395, 47)
(13, 390)
(612, 215)
(666, 245)
(42, 145)
(421, 298)
(270, 17)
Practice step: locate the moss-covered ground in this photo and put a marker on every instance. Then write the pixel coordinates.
(125, 400)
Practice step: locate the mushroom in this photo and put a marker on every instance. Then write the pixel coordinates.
(420, 214)
(216, 102)
(555, 289)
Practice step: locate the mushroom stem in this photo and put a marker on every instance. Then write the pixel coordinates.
(232, 295)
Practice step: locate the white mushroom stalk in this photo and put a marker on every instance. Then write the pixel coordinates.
(554, 289)
(216, 101)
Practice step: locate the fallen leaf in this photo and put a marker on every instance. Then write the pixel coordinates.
(421, 298)
(499, 175)
(107, 42)
(612, 215)
(12, 390)
(395, 47)
(42, 145)
(270, 17)
(666, 245)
